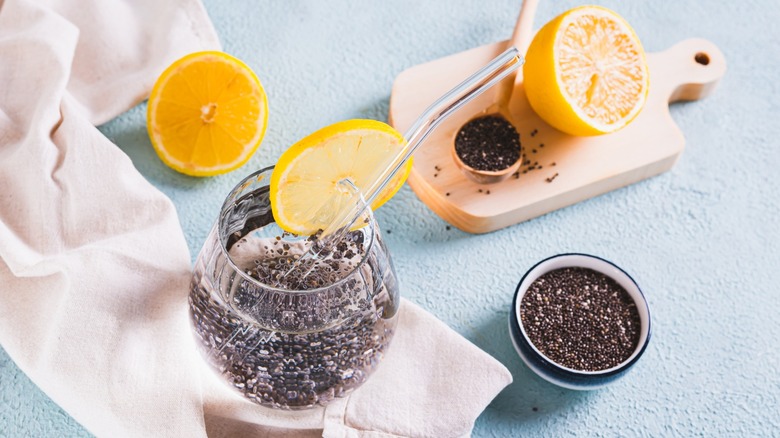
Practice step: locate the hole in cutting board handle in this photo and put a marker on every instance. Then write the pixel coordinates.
(702, 58)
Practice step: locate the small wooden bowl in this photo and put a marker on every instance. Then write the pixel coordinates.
(521, 39)
(485, 176)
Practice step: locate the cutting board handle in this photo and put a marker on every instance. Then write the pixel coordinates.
(690, 69)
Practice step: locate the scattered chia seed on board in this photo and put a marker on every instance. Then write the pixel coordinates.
(488, 143)
(581, 319)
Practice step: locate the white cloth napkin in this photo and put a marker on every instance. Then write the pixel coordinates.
(94, 269)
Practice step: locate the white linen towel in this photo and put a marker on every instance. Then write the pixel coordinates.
(94, 269)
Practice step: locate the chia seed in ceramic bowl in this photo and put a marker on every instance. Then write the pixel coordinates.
(579, 321)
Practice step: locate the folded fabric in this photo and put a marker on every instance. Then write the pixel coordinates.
(94, 268)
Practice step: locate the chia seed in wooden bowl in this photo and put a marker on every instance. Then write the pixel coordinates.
(487, 149)
(488, 143)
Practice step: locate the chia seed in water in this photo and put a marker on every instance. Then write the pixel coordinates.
(291, 349)
(581, 319)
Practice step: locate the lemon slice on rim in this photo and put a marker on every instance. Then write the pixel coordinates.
(207, 114)
(306, 191)
(585, 72)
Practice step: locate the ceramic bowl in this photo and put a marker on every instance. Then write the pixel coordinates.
(559, 374)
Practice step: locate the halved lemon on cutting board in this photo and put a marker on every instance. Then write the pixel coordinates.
(306, 187)
(585, 72)
(207, 114)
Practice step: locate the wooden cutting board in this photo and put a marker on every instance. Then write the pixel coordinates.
(572, 168)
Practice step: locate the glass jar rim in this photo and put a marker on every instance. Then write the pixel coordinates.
(230, 201)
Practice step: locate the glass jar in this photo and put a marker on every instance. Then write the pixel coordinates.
(289, 341)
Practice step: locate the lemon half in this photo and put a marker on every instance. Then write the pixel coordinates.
(207, 114)
(586, 73)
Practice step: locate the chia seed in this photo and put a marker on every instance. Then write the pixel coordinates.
(488, 143)
(581, 319)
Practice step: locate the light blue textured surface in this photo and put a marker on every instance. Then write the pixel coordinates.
(701, 240)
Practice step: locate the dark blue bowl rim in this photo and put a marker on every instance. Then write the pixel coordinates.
(553, 367)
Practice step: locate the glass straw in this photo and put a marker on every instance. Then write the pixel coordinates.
(489, 75)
